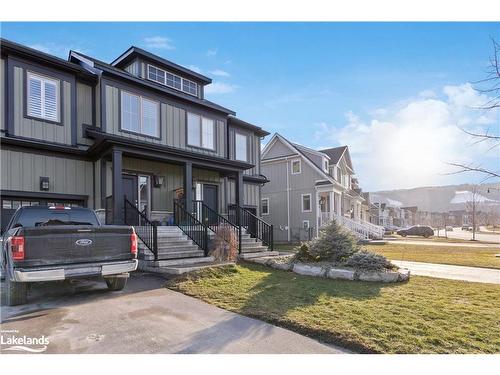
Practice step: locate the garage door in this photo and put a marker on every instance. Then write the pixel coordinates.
(9, 205)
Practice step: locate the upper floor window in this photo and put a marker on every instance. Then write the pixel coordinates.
(43, 97)
(172, 80)
(240, 147)
(200, 131)
(339, 174)
(325, 165)
(140, 115)
(296, 167)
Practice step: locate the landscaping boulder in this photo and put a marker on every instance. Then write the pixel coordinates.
(309, 269)
(339, 273)
(404, 274)
(386, 277)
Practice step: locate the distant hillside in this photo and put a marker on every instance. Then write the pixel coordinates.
(438, 198)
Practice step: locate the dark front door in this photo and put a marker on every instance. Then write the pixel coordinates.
(210, 196)
(130, 193)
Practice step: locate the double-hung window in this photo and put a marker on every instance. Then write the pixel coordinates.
(43, 97)
(296, 167)
(240, 145)
(265, 206)
(200, 131)
(139, 115)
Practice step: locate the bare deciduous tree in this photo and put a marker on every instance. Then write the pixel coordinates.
(490, 86)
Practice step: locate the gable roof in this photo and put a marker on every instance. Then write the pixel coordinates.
(335, 153)
(297, 150)
(133, 52)
(105, 67)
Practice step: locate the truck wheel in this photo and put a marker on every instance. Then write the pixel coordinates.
(17, 293)
(116, 283)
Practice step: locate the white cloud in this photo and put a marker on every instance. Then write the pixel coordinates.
(212, 52)
(194, 68)
(159, 42)
(59, 50)
(220, 88)
(412, 144)
(219, 73)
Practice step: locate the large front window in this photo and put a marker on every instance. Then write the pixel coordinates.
(43, 97)
(200, 131)
(140, 115)
(241, 147)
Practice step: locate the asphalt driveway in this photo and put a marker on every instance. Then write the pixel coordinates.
(84, 317)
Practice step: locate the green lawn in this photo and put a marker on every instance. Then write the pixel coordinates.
(457, 255)
(423, 315)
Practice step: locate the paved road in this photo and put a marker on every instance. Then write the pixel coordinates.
(467, 235)
(444, 271)
(449, 244)
(145, 318)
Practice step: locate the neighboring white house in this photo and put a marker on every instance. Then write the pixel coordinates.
(309, 188)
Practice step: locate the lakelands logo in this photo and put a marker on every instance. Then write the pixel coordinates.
(11, 341)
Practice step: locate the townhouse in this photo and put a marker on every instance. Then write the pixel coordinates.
(128, 139)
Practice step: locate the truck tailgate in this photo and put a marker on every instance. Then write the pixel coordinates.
(68, 244)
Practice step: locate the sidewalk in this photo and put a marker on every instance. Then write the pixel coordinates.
(445, 244)
(445, 271)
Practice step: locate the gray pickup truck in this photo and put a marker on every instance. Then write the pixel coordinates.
(43, 243)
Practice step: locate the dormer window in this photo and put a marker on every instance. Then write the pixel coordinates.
(325, 165)
(172, 80)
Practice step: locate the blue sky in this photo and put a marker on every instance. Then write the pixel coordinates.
(323, 84)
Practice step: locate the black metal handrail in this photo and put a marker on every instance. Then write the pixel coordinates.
(191, 226)
(214, 221)
(255, 226)
(146, 230)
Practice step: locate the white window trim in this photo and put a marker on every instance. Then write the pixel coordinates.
(43, 79)
(302, 202)
(141, 98)
(201, 132)
(268, 207)
(325, 165)
(308, 225)
(175, 75)
(300, 166)
(246, 146)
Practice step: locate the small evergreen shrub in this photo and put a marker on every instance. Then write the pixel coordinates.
(334, 244)
(303, 253)
(366, 260)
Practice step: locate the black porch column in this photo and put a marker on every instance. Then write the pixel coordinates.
(239, 189)
(117, 187)
(188, 186)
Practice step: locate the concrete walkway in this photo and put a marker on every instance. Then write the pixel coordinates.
(144, 318)
(444, 271)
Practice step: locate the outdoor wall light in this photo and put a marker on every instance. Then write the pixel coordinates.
(44, 183)
(158, 180)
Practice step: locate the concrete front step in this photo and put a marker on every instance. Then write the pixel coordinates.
(259, 254)
(179, 270)
(253, 249)
(180, 262)
(172, 255)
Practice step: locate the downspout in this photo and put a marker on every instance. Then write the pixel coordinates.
(288, 200)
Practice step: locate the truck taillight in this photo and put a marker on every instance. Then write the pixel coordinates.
(133, 243)
(17, 247)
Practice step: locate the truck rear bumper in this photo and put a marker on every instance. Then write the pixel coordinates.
(76, 270)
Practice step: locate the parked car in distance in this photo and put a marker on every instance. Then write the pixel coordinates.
(43, 243)
(449, 228)
(466, 227)
(417, 230)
